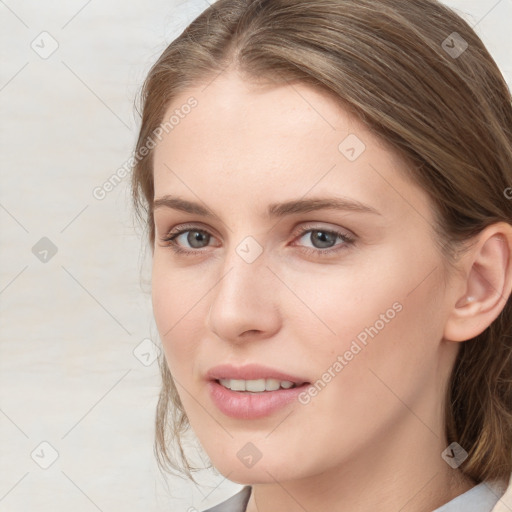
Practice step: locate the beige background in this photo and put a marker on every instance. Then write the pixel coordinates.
(75, 371)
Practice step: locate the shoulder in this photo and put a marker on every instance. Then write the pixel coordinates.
(236, 503)
(483, 497)
(505, 502)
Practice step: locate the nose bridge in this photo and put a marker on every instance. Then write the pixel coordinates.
(245, 276)
(244, 297)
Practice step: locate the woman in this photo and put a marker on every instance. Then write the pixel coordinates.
(326, 187)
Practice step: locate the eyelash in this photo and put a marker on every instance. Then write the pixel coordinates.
(170, 241)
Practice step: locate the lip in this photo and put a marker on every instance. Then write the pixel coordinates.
(245, 404)
(248, 406)
(250, 372)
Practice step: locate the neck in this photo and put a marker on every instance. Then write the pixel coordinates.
(401, 471)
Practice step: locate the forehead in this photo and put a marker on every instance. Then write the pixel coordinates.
(267, 142)
(235, 108)
(232, 115)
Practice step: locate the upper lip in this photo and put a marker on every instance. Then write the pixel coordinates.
(250, 372)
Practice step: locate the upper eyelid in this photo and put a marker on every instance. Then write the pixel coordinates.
(180, 229)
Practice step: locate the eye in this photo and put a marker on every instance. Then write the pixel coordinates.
(323, 241)
(197, 239)
(187, 236)
(189, 240)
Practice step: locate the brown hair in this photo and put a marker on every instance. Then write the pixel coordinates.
(392, 63)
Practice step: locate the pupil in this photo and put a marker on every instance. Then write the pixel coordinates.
(196, 236)
(324, 238)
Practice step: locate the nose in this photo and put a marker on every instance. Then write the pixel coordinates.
(244, 302)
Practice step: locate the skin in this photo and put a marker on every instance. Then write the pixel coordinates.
(372, 438)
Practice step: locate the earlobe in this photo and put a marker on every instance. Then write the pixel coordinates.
(487, 286)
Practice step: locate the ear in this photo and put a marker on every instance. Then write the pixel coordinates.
(487, 283)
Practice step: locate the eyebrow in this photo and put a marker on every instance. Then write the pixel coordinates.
(274, 210)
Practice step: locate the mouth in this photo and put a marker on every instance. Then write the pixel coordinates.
(253, 378)
(258, 385)
(253, 391)
(254, 400)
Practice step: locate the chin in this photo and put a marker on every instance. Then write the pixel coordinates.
(262, 472)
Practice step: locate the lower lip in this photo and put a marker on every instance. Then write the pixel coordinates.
(247, 405)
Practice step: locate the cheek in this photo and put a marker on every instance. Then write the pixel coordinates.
(389, 323)
(179, 314)
(382, 361)
(338, 304)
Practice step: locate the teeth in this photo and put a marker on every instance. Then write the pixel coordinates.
(256, 386)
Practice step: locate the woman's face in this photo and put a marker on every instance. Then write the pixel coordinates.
(349, 298)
